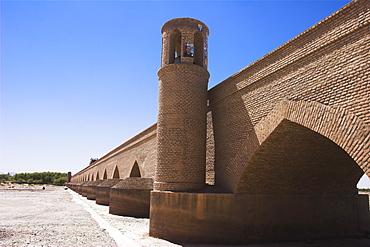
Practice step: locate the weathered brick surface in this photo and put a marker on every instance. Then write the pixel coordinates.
(319, 80)
(326, 68)
(234, 219)
(91, 189)
(187, 27)
(182, 111)
(103, 191)
(135, 183)
(131, 197)
(181, 134)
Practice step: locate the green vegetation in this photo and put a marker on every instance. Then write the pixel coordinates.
(55, 178)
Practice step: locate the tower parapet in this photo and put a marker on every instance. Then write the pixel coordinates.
(185, 40)
(182, 110)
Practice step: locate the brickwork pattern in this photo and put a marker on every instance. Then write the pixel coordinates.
(135, 183)
(210, 155)
(327, 64)
(318, 80)
(181, 131)
(341, 127)
(188, 27)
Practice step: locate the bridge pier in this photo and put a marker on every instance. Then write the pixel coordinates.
(79, 187)
(86, 188)
(256, 218)
(103, 191)
(131, 197)
(91, 189)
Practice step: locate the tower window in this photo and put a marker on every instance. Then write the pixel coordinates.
(198, 48)
(175, 47)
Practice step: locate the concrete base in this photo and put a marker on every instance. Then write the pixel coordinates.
(256, 218)
(130, 202)
(79, 189)
(103, 191)
(86, 189)
(91, 189)
(72, 186)
(131, 197)
(102, 195)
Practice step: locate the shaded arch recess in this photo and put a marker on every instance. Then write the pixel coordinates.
(175, 47)
(346, 134)
(135, 171)
(297, 160)
(198, 48)
(116, 172)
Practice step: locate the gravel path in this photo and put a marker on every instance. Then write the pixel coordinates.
(30, 216)
(56, 217)
(37, 217)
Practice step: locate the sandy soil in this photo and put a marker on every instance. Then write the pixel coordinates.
(35, 217)
(31, 216)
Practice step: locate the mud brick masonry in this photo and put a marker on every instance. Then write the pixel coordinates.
(273, 153)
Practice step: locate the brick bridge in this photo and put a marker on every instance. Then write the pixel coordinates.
(286, 140)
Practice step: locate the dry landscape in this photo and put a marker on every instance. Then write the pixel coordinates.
(31, 216)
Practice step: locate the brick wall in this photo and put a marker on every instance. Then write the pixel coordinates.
(327, 64)
(317, 83)
(182, 109)
(181, 135)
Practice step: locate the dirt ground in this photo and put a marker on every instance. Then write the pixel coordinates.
(31, 216)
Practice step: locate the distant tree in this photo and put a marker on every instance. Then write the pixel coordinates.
(60, 181)
(4, 177)
(56, 178)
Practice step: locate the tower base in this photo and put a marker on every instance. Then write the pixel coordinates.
(256, 218)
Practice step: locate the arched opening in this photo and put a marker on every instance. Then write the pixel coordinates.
(116, 173)
(296, 160)
(198, 48)
(97, 175)
(105, 174)
(175, 47)
(135, 171)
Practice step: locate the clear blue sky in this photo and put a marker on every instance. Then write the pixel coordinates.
(78, 78)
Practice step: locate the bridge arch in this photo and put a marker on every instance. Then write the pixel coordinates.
(105, 174)
(135, 170)
(116, 172)
(97, 175)
(307, 147)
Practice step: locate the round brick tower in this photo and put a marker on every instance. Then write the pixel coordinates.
(181, 126)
